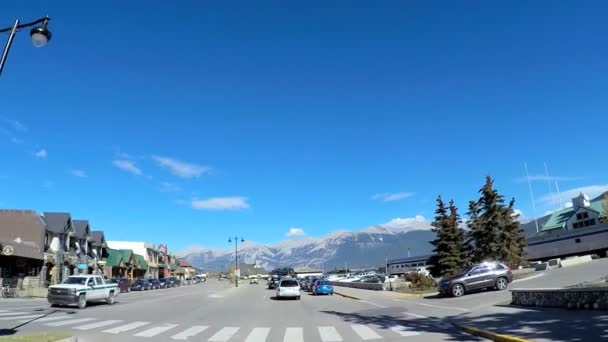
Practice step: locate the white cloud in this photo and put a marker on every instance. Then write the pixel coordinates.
(127, 165)
(180, 168)
(221, 203)
(48, 184)
(78, 173)
(14, 125)
(169, 187)
(293, 232)
(567, 196)
(390, 197)
(41, 153)
(545, 178)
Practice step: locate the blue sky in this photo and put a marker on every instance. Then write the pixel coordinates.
(184, 124)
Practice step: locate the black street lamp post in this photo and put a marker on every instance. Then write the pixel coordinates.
(40, 35)
(236, 259)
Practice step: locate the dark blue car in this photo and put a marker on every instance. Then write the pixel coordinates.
(322, 287)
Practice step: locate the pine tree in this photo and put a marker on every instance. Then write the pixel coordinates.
(450, 255)
(604, 216)
(494, 230)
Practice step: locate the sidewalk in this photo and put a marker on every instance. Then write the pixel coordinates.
(369, 295)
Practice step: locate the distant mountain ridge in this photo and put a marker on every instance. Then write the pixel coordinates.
(365, 248)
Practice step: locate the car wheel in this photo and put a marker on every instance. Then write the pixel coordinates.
(111, 298)
(501, 283)
(298, 298)
(128, 289)
(457, 290)
(82, 301)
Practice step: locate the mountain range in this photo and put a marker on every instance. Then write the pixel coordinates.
(369, 247)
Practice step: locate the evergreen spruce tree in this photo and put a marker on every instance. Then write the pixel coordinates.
(494, 230)
(449, 254)
(604, 216)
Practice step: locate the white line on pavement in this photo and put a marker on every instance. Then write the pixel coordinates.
(126, 327)
(47, 319)
(374, 304)
(13, 313)
(224, 334)
(21, 317)
(156, 330)
(528, 278)
(403, 331)
(443, 307)
(329, 334)
(294, 335)
(365, 332)
(190, 332)
(69, 321)
(98, 324)
(258, 335)
(413, 315)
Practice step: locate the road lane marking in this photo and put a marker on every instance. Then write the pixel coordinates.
(126, 327)
(98, 324)
(258, 335)
(224, 334)
(156, 330)
(21, 317)
(13, 313)
(443, 307)
(47, 319)
(294, 335)
(374, 304)
(403, 331)
(414, 315)
(190, 332)
(365, 332)
(329, 334)
(69, 321)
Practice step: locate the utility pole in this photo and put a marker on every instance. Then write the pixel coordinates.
(236, 259)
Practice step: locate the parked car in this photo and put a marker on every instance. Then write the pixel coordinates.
(141, 285)
(288, 288)
(178, 282)
(322, 287)
(79, 290)
(155, 284)
(171, 282)
(163, 283)
(124, 284)
(479, 276)
(254, 281)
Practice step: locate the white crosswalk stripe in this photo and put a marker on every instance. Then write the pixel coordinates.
(12, 313)
(294, 335)
(126, 327)
(224, 334)
(47, 319)
(98, 324)
(156, 330)
(190, 332)
(365, 332)
(258, 335)
(69, 321)
(403, 331)
(329, 334)
(21, 317)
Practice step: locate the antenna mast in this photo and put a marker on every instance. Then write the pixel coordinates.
(531, 196)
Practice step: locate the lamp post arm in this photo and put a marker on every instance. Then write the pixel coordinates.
(20, 26)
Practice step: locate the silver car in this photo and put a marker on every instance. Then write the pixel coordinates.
(479, 276)
(288, 288)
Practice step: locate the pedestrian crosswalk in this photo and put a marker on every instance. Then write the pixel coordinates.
(140, 330)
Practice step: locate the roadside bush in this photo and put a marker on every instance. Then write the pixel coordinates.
(420, 282)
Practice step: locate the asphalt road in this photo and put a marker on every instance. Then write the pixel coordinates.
(216, 311)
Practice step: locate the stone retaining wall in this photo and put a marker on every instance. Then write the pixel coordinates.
(575, 298)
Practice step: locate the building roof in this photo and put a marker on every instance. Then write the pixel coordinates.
(141, 261)
(81, 228)
(306, 270)
(417, 258)
(559, 218)
(251, 269)
(184, 263)
(116, 256)
(99, 238)
(56, 222)
(23, 230)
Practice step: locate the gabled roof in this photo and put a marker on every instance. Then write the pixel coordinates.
(184, 263)
(116, 256)
(81, 228)
(56, 222)
(559, 218)
(141, 261)
(98, 238)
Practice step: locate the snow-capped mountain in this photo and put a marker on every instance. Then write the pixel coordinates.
(365, 248)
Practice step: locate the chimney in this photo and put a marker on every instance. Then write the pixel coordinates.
(580, 201)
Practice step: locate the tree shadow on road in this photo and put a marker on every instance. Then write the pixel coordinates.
(548, 324)
(15, 329)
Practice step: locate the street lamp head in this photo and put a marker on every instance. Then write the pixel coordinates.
(40, 35)
(229, 240)
(242, 240)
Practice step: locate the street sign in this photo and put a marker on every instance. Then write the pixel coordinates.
(237, 273)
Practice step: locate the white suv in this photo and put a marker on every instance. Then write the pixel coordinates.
(288, 288)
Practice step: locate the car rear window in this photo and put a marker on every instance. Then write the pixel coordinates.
(323, 283)
(289, 283)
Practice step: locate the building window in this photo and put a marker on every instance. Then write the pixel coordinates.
(577, 240)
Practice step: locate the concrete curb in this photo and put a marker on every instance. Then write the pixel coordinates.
(346, 296)
(69, 339)
(490, 335)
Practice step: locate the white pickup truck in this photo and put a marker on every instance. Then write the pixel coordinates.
(80, 289)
